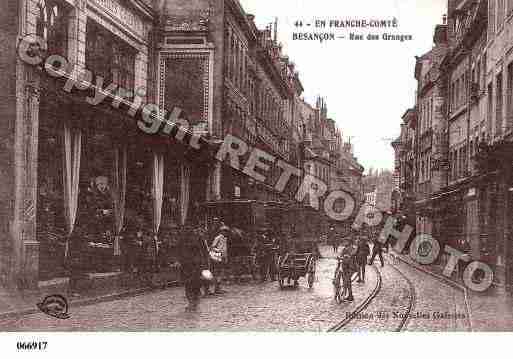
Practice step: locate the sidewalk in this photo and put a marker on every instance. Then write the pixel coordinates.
(489, 311)
(95, 288)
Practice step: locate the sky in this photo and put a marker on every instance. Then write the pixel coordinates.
(368, 85)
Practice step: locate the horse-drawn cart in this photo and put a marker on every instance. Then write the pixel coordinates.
(295, 265)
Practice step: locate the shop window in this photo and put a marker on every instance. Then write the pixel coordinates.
(51, 227)
(109, 57)
(52, 25)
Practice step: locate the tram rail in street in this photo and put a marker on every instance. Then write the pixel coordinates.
(405, 317)
(411, 305)
(337, 327)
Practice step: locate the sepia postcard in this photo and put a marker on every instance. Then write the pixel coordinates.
(255, 166)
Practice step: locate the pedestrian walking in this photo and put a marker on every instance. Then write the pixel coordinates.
(332, 239)
(274, 247)
(377, 250)
(218, 252)
(349, 266)
(264, 254)
(193, 260)
(362, 255)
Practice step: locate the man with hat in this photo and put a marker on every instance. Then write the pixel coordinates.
(377, 250)
(348, 262)
(264, 249)
(362, 254)
(193, 259)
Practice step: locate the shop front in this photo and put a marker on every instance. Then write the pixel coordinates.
(109, 198)
(123, 195)
(495, 191)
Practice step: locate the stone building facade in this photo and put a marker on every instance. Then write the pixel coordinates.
(80, 155)
(469, 203)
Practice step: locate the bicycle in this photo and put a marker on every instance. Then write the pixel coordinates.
(345, 265)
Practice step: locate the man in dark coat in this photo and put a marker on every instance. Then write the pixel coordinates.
(193, 259)
(377, 250)
(362, 253)
(264, 254)
(348, 263)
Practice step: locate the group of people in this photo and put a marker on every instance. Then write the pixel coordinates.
(204, 258)
(354, 257)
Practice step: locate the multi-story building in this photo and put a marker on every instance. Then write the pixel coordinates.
(327, 157)
(464, 192)
(81, 158)
(349, 172)
(378, 188)
(493, 157)
(429, 133)
(463, 69)
(60, 146)
(405, 165)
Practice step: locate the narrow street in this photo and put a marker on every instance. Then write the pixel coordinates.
(246, 307)
(264, 307)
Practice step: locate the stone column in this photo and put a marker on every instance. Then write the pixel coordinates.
(29, 274)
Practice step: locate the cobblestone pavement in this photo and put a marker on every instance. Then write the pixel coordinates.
(434, 296)
(387, 308)
(249, 307)
(435, 306)
(264, 307)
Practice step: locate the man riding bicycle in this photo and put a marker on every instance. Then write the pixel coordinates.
(347, 267)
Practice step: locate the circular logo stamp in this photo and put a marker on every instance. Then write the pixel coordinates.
(55, 306)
